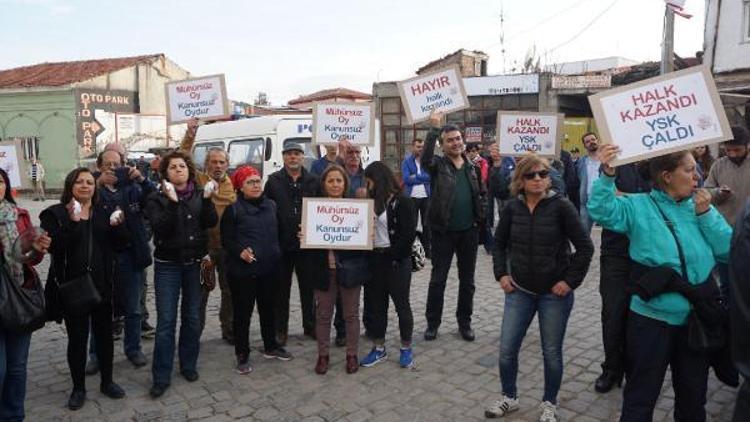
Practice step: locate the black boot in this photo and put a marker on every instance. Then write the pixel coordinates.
(606, 381)
(76, 400)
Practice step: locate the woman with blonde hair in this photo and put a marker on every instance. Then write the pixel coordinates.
(538, 272)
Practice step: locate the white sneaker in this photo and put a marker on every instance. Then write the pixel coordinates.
(501, 407)
(549, 412)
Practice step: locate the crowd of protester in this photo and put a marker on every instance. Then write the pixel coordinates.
(674, 272)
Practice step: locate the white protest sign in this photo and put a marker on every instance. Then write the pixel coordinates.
(337, 223)
(661, 115)
(441, 91)
(204, 98)
(521, 132)
(350, 119)
(9, 163)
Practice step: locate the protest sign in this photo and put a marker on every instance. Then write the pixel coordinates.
(350, 119)
(329, 223)
(204, 98)
(521, 132)
(657, 116)
(9, 163)
(441, 91)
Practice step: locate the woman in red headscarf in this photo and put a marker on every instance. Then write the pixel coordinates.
(249, 234)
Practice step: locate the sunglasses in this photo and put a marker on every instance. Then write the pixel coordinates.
(531, 175)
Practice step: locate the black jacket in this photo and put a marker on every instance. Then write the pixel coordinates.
(538, 244)
(402, 228)
(69, 247)
(180, 227)
(316, 262)
(627, 180)
(443, 185)
(288, 207)
(244, 225)
(739, 311)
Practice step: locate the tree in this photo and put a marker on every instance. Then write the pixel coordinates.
(261, 99)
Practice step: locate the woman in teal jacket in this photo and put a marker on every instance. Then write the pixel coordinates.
(657, 329)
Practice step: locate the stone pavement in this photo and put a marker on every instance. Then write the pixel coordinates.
(453, 380)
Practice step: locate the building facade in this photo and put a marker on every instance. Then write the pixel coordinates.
(64, 113)
(727, 52)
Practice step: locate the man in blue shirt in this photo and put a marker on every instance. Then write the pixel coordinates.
(417, 187)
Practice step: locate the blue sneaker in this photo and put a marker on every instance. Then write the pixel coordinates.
(407, 359)
(374, 357)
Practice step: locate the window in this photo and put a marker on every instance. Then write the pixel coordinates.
(247, 151)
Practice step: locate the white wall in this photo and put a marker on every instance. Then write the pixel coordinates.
(731, 51)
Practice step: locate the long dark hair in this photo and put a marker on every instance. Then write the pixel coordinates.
(385, 184)
(70, 180)
(8, 194)
(705, 161)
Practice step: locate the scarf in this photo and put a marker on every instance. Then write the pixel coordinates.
(187, 193)
(8, 235)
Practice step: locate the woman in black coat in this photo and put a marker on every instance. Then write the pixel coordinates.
(179, 214)
(250, 237)
(537, 271)
(390, 260)
(71, 224)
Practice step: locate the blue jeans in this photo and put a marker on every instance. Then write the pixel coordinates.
(169, 279)
(586, 220)
(14, 352)
(129, 287)
(520, 308)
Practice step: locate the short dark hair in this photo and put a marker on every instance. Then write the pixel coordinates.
(70, 180)
(471, 146)
(449, 128)
(740, 136)
(8, 190)
(416, 140)
(588, 134)
(164, 164)
(100, 157)
(652, 169)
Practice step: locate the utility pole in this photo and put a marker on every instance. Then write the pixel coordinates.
(667, 44)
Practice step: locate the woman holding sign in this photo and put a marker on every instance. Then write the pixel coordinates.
(538, 273)
(395, 230)
(676, 238)
(339, 271)
(250, 236)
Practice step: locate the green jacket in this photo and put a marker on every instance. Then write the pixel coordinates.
(704, 238)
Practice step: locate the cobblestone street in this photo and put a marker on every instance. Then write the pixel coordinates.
(453, 379)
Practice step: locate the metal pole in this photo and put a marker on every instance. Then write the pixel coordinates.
(667, 46)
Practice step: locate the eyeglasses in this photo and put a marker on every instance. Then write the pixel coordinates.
(533, 174)
(253, 182)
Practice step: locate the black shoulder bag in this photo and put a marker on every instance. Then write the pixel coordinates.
(702, 336)
(79, 296)
(21, 309)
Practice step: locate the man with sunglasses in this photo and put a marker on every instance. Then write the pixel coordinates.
(455, 218)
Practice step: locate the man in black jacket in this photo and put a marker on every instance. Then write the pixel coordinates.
(739, 309)
(615, 272)
(287, 187)
(455, 216)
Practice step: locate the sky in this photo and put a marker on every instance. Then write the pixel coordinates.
(288, 48)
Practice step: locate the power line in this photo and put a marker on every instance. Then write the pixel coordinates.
(585, 27)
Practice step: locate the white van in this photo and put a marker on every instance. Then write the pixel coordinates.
(258, 141)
